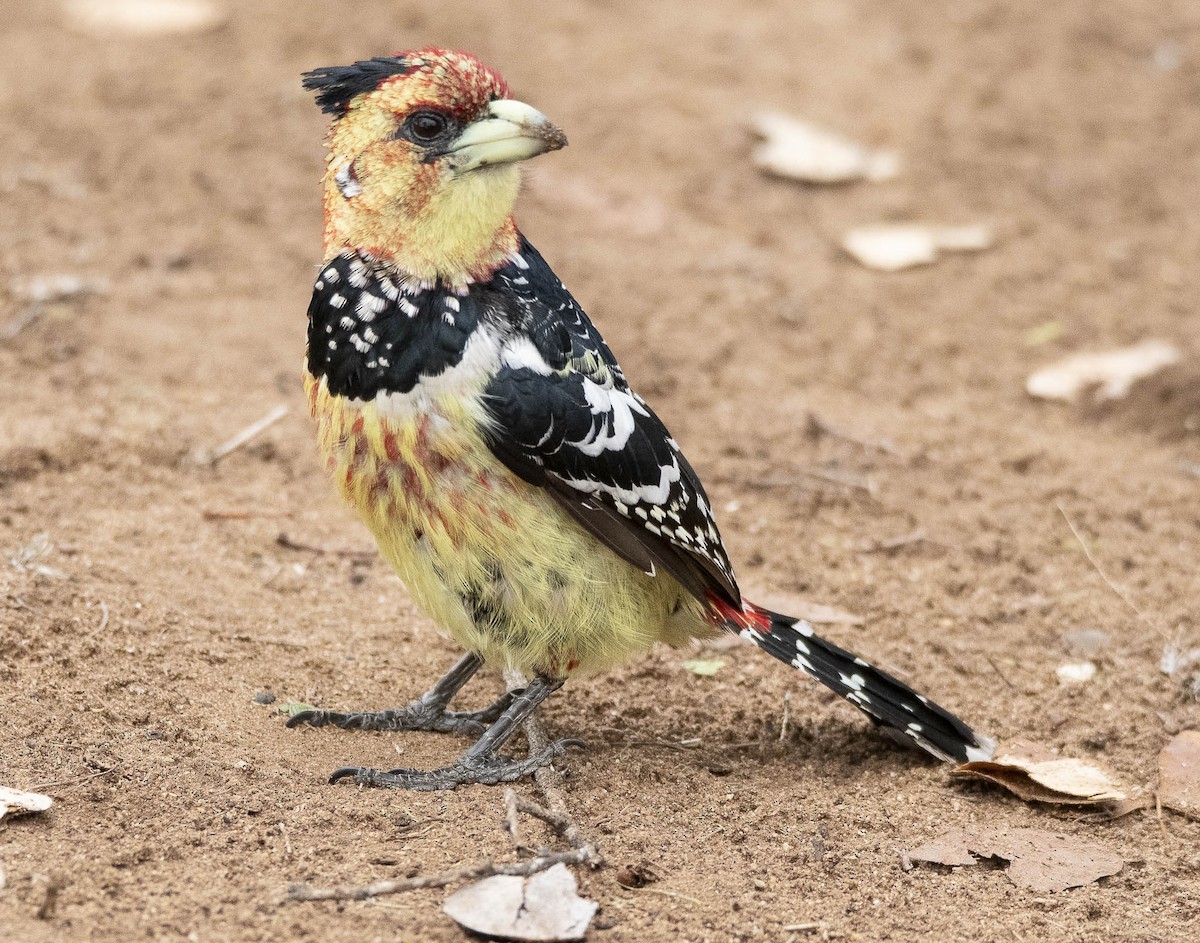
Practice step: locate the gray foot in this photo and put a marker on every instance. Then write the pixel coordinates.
(420, 715)
(484, 770)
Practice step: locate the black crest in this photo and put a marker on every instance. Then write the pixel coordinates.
(336, 86)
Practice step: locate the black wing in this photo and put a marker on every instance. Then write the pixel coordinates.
(566, 420)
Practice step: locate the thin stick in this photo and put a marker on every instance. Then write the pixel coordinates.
(818, 427)
(917, 536)
(14, 327)
(996, 668)
(246, 435)
(679, 745)
(666, 893)
(469, 872)
(287, 842)
(284, 540)
(1104, 576)
(783, 725)
(1161, 824)
(69, 783)
(548, 779)
(510, 816)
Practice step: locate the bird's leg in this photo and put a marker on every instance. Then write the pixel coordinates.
(481, 764)
(428, 712)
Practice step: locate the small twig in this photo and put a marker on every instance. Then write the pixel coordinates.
(470, 872)
(1124, 596)
(892, 544)
(287, 842)
(818, 427)
(1161, 824)
(27, 317)
(70, 783)
(283, 540)
(842, 480)
(50, 901)
(681, 745)
(237, 515)
(246, 435)
(801, 927)
(783, 724)
(996, 668)
(548, 779)
(665, 893)
(510, 816)
(103, 618)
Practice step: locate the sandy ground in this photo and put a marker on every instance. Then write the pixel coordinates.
(184, 172)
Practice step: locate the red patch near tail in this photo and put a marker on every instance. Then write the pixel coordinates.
(749, 616)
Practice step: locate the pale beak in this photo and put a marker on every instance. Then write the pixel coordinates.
(510, 132)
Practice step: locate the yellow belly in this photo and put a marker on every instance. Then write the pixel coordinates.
(492, 559)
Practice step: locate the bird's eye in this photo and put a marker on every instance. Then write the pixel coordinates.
(425, 127)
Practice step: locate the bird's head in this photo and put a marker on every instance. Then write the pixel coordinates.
(423, 161)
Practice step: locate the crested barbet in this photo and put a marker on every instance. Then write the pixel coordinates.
(534, 505)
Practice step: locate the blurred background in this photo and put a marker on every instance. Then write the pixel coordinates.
(866, 436)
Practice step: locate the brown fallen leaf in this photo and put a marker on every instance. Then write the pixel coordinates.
(1039, 860)
(636, 875)
(1179, 774)
(1036, 774)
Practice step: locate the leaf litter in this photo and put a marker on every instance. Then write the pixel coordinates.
(1111, 374)
(1179, 774)
(1035, 773)
(1039, 860)
(803, 151)
(892, 247)
(17, 802)
(545, 906)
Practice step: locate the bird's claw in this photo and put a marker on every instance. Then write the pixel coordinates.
(488, 770)
(417, 716)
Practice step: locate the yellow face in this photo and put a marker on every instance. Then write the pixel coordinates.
(423, 162)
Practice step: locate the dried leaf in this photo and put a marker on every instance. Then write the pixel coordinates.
(292, 708)
(1033, 773)
(545, 906)
(143, 17)
(1075, 672)
(705, 667)
(636, 875)
(1113, 372)
(49, 289)
(18, 802)
(803, 151)
(1044, 333)
(1179, 774)
(890, 247)
(1039, 860)
(1084, 642)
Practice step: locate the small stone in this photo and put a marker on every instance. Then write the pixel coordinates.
(264, 697)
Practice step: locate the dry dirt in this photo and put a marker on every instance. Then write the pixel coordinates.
(184, 172)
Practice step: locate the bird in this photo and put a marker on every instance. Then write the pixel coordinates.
(535, 506)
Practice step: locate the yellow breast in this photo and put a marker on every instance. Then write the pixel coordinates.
(492, 559)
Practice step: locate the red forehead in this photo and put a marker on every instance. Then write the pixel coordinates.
(457, 81)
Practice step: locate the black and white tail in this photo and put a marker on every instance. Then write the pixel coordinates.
(888, 701)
